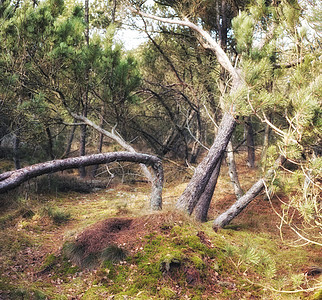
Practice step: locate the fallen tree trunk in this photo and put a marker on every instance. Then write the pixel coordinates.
(241, 203)
(13, 179)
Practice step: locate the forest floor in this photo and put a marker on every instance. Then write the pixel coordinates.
(107, 244)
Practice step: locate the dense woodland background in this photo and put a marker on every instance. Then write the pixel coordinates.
(219, 89)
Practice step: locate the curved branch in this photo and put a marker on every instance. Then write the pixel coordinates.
(13, 179)
(116, 137)
(210, 42)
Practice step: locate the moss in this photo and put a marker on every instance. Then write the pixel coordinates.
(50, 260)
(167, 293)
(95, 292)
(197, 262)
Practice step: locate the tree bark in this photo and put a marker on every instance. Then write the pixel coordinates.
(50, 143)
(12, 179)
(82, 149)
(202, 207)
(226, 217)
(205, 169)
(16, 158)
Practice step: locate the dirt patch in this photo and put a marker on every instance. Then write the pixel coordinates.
(124, 232)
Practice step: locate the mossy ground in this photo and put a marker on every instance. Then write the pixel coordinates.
(168, 255)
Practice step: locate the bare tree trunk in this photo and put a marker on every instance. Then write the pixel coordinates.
(226, 217)
(50, 143)
(250, 143)
(16, 159)
(99, 144)
(82, 149)
(83, 128)
(232, 170)
(205, 169)
(202, 207)
(70, 141)
(12, 179)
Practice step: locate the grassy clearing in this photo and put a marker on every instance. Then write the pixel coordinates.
(164, 256)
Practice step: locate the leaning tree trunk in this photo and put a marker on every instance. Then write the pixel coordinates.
(226, 217)
(12, 179)
(205, 169)
(202, 207)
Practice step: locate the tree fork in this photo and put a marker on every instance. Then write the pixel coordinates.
(12, 179)
(205, 169)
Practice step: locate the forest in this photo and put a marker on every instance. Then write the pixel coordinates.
(160, 149)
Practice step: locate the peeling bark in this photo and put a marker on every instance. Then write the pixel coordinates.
(13, 179)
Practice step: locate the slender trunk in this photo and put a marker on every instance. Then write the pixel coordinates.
(12, 179)
(82, 149)
(113, 11)
(250, 143)
(232, 170)
(70, 141)
(202, 207)
(50, 143)
(99, 145)
(83, 128)
(204, 170)
(16, 158)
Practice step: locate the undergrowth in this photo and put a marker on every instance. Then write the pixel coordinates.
(175, 259)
